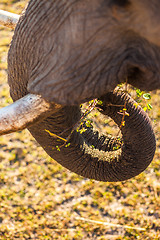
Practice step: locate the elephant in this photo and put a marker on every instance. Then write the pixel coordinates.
(65, 53)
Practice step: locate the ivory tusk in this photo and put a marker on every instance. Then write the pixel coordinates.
(8, 19)
(24, 113)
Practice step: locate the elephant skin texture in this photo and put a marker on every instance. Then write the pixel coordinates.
(73, 51)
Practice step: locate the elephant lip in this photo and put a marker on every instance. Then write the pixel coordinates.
(144, 80)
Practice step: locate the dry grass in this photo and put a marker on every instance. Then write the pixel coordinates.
(39, 199)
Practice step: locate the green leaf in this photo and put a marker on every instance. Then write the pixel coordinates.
(58, 149)
(100, 102)
(89, 123)
(147, 96)
(82, 130)
(149, 106)
(67, 145)
(139, 92)
(120, 85)
(136, 104)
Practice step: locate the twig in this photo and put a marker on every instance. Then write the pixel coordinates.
(77, 125)
(92, 105)
(55, 136)
(110, 224)
(63, 230)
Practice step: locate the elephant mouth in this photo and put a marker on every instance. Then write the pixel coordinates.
(141, 67)
(139, 79)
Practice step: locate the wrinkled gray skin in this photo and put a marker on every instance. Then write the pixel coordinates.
(72, 51)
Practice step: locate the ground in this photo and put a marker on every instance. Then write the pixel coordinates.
(39, 199)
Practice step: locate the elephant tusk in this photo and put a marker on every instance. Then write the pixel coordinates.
(8, 19)
(24, 113)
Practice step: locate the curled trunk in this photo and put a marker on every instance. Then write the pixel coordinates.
(136, 152)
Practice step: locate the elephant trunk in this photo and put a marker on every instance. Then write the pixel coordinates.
(137, 147)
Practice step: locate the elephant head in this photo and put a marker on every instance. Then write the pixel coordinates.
(64, 53)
